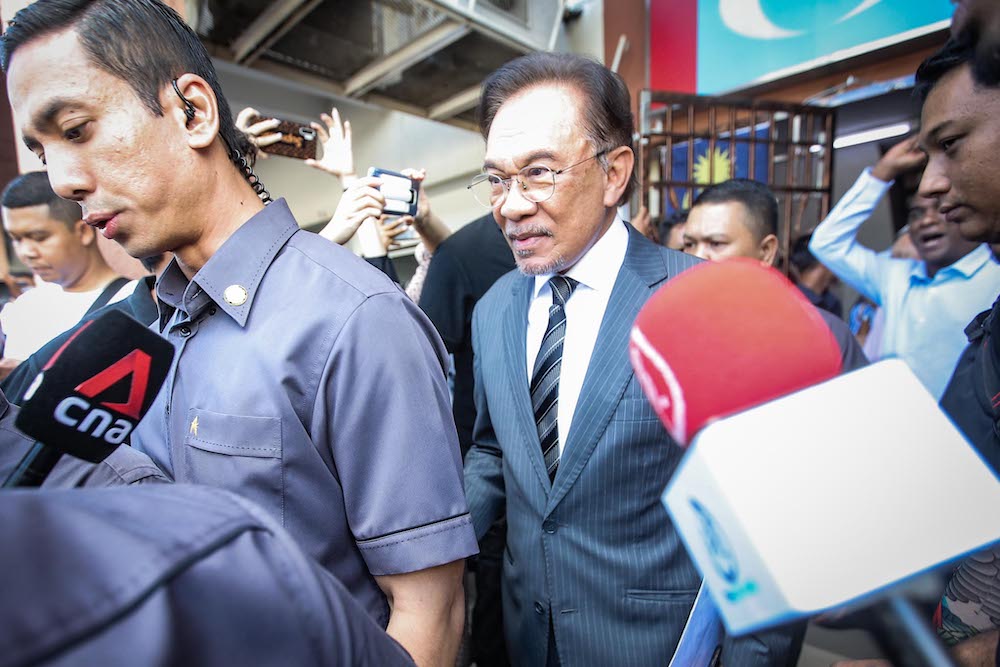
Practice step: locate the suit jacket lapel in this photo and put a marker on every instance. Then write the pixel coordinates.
(609, 370)
(515, 342)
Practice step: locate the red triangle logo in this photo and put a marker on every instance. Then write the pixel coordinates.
(137, 364)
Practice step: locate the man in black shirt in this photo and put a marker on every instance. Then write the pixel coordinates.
(960, 133)
(739, 218)
(463, 269)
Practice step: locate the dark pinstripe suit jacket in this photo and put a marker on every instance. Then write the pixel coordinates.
(595, 550)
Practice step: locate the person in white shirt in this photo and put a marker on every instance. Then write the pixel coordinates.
(927, 301)
(51, 239)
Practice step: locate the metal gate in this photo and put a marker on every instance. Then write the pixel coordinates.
(688, 142)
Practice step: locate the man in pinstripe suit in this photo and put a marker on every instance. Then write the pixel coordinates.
(565, 443)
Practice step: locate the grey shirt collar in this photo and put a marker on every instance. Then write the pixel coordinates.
(235, 270)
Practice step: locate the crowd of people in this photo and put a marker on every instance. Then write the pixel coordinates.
(353, 483)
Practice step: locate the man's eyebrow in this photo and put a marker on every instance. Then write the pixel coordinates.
(51, 110)
(44, 118)
(527, 159)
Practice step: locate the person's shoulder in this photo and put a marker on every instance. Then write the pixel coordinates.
(309, 256)
(676, 258)
(674, 261)
(500, 292)
(124, 292)
(467, 241)
(838, 326)
(851, 354)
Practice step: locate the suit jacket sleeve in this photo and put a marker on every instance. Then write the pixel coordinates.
(484, 485)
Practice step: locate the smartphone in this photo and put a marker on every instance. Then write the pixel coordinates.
(297, 141)
(400, 192)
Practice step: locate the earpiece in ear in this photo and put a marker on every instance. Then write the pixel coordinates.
(188, 106)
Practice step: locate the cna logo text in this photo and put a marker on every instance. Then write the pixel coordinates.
(103, 419)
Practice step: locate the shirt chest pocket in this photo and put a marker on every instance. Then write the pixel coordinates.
(235, 452)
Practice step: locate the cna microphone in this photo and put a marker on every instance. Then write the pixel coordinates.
(91, 394)
(803, 491)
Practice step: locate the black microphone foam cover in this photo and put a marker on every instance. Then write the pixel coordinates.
(94, 390)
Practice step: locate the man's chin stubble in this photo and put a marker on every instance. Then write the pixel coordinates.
(552, 266)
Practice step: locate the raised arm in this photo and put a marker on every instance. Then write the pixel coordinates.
(834, 241)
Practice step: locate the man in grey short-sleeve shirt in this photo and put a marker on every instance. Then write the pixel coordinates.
(303, 380)
(307, 381)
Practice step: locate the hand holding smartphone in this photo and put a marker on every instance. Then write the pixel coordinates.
(296, 140)
(401, 192)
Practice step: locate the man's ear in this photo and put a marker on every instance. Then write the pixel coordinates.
(620, 161)
(768, 249)
(86, 234)
(203, 125)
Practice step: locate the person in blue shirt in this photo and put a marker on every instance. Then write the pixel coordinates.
(926, 302)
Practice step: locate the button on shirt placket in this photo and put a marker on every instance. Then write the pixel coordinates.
(181, 330)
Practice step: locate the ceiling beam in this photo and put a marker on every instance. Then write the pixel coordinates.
(413, 110)
(292, 21)
(305, 81)
(418, 49)
(296, 79)
(272, 18)
(464, 124)
(467, 15)
(455, 104)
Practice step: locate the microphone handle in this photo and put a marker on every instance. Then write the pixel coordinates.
(34, 467)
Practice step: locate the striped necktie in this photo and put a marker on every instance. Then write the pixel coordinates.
(545, 379)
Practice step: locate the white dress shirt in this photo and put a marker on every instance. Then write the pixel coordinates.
(596, 272)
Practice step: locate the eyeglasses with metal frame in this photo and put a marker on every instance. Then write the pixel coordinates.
(537, 183)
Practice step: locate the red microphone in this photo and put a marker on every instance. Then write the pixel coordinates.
(762, 339)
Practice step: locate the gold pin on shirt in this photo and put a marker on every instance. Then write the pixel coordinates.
(235, 295)
(194, 426)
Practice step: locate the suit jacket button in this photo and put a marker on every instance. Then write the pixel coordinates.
(549, 526)
(539, 609)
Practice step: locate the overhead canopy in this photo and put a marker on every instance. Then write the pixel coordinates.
(426, 57)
